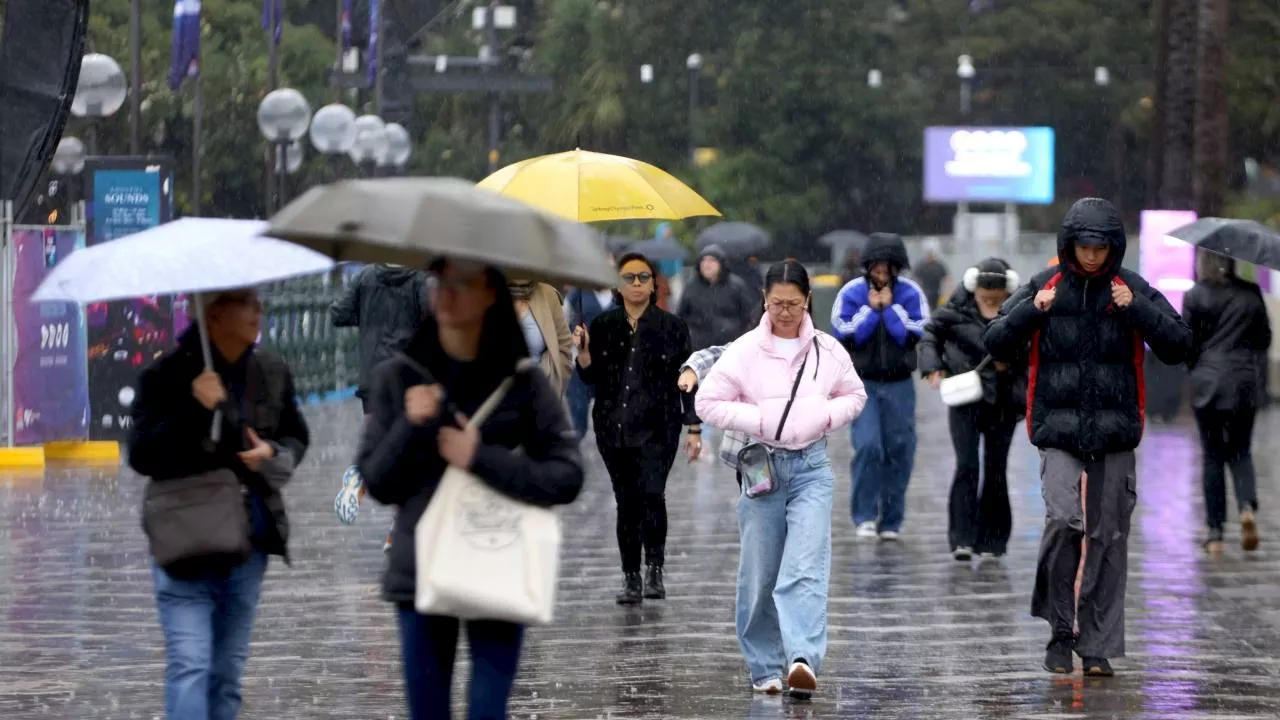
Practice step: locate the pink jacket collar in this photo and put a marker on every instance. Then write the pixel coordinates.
(764, 331)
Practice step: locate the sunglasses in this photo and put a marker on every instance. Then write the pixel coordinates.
(632, 278)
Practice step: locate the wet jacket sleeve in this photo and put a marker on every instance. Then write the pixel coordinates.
(396, 458)
(595, 340)
(345, 311)
(1161, 326)
(906, 318)
(702, 361)
(1007, 336)
(547, 470)
(1193, 316)
(564, 336)
(848, 395)
(683, 346)
(719, 402)
(851, 317)
(168, 429)
(292, 433)
(929, 351)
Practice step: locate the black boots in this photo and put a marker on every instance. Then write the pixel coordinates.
(653, 587)
(632, 587)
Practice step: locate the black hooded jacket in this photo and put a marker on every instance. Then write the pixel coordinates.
(1086, 392)
(1230, 335)
(387, 304)
(719, 312)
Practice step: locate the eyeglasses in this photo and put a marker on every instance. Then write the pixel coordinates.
(787, 306)
(632, 278)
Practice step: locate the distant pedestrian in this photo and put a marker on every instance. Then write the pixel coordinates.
(1230, 336)
(717, 305)
(787, 385)
(980, 519)
(632, 355)
(1086, 322)
(880, 317)
(540, 310)
(386, 304)
(932, 274)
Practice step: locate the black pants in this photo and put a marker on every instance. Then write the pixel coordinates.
(639, 477)
(1227, 436)
(428, 644)
(980, 520)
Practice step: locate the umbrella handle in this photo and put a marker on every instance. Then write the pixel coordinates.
(215, 432)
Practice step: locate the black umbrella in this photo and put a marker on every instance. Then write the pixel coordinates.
(736, 238)
(1245, 240)
(849, 239)
(618, 244)
(661, 250)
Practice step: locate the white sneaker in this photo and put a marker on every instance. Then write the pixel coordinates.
(889, 536)
(772, 686)
(962, 553)
(801, 682)
(866, 530)
(347, 503)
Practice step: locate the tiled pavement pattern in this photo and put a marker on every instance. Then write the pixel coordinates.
(913, 634)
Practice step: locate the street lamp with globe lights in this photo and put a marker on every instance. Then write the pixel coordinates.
(965, 71)
(333, 132)
(283, 118)
(399, 147)
(371, 142)
(694, 63)
(293, 156)
(68, 162)
(100, 92)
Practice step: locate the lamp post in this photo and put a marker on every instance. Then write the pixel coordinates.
(333, 132)
(293, 156)
(646, 74)
(100, 93)
(399, 147)
(492, 18)
(694, 63)
(965, 71)
(370, 143)
(874, 79)
(68, 162)
(283, 118)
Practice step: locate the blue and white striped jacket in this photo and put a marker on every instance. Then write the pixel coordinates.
(882, 342)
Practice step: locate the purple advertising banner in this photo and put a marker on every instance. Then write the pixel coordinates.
(989, 164)
(1167, 263)
(50, 378)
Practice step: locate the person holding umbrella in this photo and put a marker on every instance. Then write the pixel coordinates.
(1086, 322)
(1230, 336)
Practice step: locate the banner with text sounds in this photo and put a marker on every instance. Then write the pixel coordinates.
(50, 378)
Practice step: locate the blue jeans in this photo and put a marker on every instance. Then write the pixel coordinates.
(579, 396)
(884, 450)
(784, 565)
(428, 644)
(207, 624)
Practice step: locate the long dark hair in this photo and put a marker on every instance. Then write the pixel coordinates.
(502, 343)
(787, 272)
(653, 270)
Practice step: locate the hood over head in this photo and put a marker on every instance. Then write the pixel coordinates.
(714, 251)
(396, 274)
(885, 247)
(1092, 221)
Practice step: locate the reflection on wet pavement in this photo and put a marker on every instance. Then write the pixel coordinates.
(914, 634)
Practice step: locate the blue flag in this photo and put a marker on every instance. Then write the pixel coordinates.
(266, 17)
(373, 41)
(185, 62)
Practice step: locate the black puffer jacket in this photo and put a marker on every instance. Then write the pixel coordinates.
(953, 344)
(387, 304)
(527, 449)
(719, 312)
(1086, 354)
(1230, 335)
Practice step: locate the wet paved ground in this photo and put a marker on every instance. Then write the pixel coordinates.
(913, 634)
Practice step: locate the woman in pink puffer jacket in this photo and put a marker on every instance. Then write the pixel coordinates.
(785, 385)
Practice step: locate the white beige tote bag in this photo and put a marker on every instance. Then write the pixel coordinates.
(482, 555)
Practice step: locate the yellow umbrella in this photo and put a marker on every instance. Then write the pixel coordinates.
(592, 187)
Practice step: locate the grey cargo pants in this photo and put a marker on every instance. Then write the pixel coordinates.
(1102, 516)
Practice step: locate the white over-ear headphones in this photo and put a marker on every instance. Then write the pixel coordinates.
(973, 274)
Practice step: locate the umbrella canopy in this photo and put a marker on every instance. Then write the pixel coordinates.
(1245, 240)
(591, 187)
(618, 244)
(411, 220)
(184, 256)
(736, 238)
(661, 250)
(850, 239)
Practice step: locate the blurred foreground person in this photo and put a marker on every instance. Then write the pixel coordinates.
(784, 385)
(1230, 336)
(1086, 322)
(418, 406)
(214, 510)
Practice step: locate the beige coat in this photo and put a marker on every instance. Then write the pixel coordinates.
(547, 307)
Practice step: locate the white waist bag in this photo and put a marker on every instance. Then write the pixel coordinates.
(482, 555)
(965, 388)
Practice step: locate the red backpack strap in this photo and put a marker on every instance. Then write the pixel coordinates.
(1053, 281)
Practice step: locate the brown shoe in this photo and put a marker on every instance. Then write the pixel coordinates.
(1248, 531)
